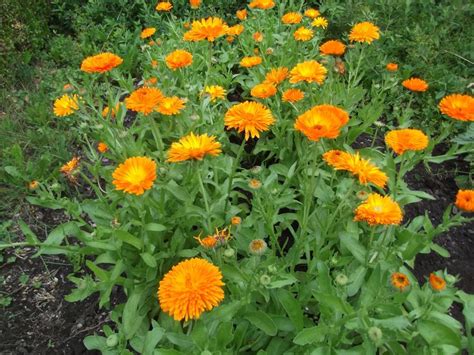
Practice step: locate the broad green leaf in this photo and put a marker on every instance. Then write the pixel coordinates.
(292, 307)
(148, 259)
(131, 318)
(128, 238)
(262, 321)
(436, 333)
(310, 335)
(155, 227)
(353, 245)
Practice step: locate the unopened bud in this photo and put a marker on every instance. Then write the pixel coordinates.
(375, 334)
(265, 279)
(341, 279)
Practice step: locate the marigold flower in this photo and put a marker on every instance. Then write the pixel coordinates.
(255, 184)
(415, 84)
(366, 171)
(291, 18)
(392, 66)
(362, 195)
(193, 147)
(322, 121)
(465, 200)
(230, 39)
(401, 140)
(364, 32)
(101, 63)
(400, 280)
(194, 3)
(437, 283)
(312, 13)
(258, 247)
(332, 47)
(338, 159)
(241, 14)
(310, 71)
(235, 30)
(263, 90)
(209, 242)
(33, 185)
(303, 34)
(292, 95)
(170, 105)
(262, 4)
(154, 63)
(276, 75)
(151, 81)
(248, 62)
(135, 175)
(215, 92)
(66, 105)
(379, 209)
(148, 32)
(236, 220)
(107, 110)
(144, 100)
(102, 147)
(320, 22)
(190, 288)
(457, 106)
(251, 117)
(179, 59)
(164, 6)
(206, 29)
(257, 37)
(70, 167)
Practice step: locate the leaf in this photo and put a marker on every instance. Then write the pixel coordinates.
(440, 250)
(44, 203)
(224, 334)
(399, 322)
(12, 170)
(226, 312)
(178, 191)
(288, 279)
(129, 238)
(436, 333)
(95, 342)
(155, 227)
(356, 278)
(353, 245)
(310, 335)
(292, 307)
(131, 318)
(60, 232)
(148, 259)
(262, 321)
(28, 233)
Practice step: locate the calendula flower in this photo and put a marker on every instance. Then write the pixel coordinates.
(144, 100)
(230, 39)
(457, 106)
(379, 210)
(66, 105)
(102, 147)
(190, 288)
(276, 75)
(135, 175)
(303, 34)
(339, 66)
(415, 84)
(258, 247)
(151, 81)
(401, 140)
(33, 185)
(320, 22)
(364, 32)
(262, 4)
(236, 220)
(392, 66)
(437, 283)
(332, 47)
(263, 90)
(194, 3)
(209, 242)
(206, 29)
(249, 117)
(310, 71)
(465, 200)
(366, 171)
(362, 195)
(70, 167)
(101, 63)
(291, 18)
(292, 95)
(312, 13)
(215, 92)
(248, 62)
(170, 106)
(164, 6)
(179, 59)
(241, 14)
(257, 37)
(110, 111)
(193, 147)
(255, 184)
(154, 63)
(338, 159)
(400, 280)
(322, 121)
(235, 30)
(148, 32)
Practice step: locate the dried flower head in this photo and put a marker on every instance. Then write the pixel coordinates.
(249, 117)
(457, 106)
(135, 175)
(193, 147)
(258, 247)
(379, 210)
(402, 140)
(101, 63)
(179, 59)
(364, 32)
(70, 169)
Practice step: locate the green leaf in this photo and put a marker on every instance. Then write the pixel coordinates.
(129, 238)
(353, 245)
(60, 232)
(28, 233)
(262, 321)
(178, 191)
(95, 342)
(292, 307)
(438, 334)
(131, 317)
(310, 335)
(287, 279)
(224, 334)
(155, 227)
(226, 312)
(188, 253)
(148, 259)
(440, 250)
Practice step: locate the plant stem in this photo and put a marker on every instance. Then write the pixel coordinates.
(204, 196)
(232, 173)
(157, 136)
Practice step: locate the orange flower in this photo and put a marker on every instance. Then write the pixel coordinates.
(164, 6)
(190, 288)
(209, 242)
(415, 84)
(276, 75)
(101, 63)
(257, 37)
(457, 106)
(251, 117)
(322, 121)
(263, 91)
(106, 111)
(248, 62)
(154, 63)
(135, 175)
(236, 220)
(194, 3)
(337, 159)
(401, 140)
(366, 171)
(170, 105)
(68, 88)
(332, 48)
(192, 147)
(151, 81)
(292, 95)
(291, 18)
(437, 283)
(241, 14)
(400, 281)
(215, 92)
(144, 100)
(303, 34)
(66, 105)
(235, 30)
(364, 32)
(33, 185)
(179, 59)
(379, 209)
(230, 39)
(310, 71)
(255, 184)
(206, 29)
(312, 13)
(320, 22)
(392, 67)
(465, 200)
(70, 167)
(262, 4)
(102, 147)
(148, 32)
(258, 247)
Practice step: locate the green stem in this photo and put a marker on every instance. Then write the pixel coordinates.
(232, 172)
(157, 136)
(204, 196)
(400, 174)
(353, 78)
(371, 240)
(338, 208)
(37, 245)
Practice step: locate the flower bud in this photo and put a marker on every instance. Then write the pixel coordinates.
(265, 279)
(272, 269)
(342, 279)
(229, 253)
(450, 279)
(375, 334)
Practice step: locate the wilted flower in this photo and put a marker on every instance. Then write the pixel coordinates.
(292, 95)
(249, 117)
(193, 147)
(400, 280)
(415, 84)
(402, 140)
(465, 200)
(70, 169)
(364, 32)
(437, 283)
(179, 59)
(101, 63)
(378, 210)
(258, 247)
(135, 175)
(209, 242)
(457, 106)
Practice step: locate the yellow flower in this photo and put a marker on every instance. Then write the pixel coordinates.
(66, 105)
(235, 30)
(179, 59)
(263, 91)
(70, 167)
(401, 140)
(241, 14)
(107, 110)
(320, 22)
(291, 18)
(312, 13)
(164, 6)
(310, 71)
(101, 63)
(457, 106)
(251, 117)
(415, 84)
(193, 147)
(364, 32)
(206, 29)
(248, 62)
(379, 210)
(135, 175)
(303, 34)
(144, 100)
(292, 95)
(215, 92)
(148, 32)
(276, 75)
(170, 105)
(322, 121)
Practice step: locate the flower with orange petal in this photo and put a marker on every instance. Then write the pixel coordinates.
(193, 147)
(338, 159)
(392, 66)
(101, 63)
(135, 175)
(379, 210)
(255, 184)
(206, 29)
(364, 32)
(235, 30)
(400, 280)
(66, 105)
(33, 185)
(190, 288)
(320, 22)
(437, 283)
(110, 111)
(148, 32)
(263, 90)
(465, 200)
(179, 59)
(366, 171)
(194, 3)
(292, 95)
(209, 242)
(163, 6)
(332, 47)
(241, 14)
(215, 92)
(291, 18)
(303, 34)
(144, 100)
(70, 167)
(401, 140)
(457, 106)
(248, 62)
(310, 71)
(257, 37)
(262, 4)
(236, 220)
(312, 13)
(170, 106)
(250, 117)
(415, 84)
(102, 147)
(276, 75)
(322, 121)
